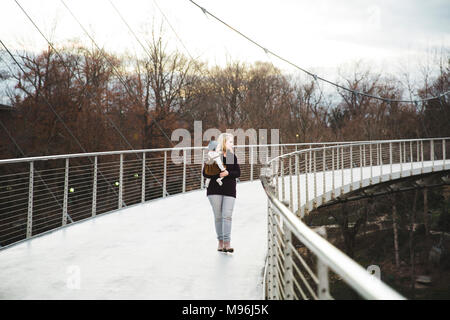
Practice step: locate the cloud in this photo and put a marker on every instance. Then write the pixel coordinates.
(398, 24)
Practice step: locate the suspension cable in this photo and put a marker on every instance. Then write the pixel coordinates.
(89, 93)
(315, 76)
(53, 110)
(118, 75)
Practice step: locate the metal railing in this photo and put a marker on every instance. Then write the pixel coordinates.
(39, 194)
(298, 182)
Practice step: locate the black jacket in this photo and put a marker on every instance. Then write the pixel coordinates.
(228, 187)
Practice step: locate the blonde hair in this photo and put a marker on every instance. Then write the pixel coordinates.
(222, 141)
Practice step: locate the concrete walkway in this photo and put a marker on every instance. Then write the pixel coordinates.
(165, 249)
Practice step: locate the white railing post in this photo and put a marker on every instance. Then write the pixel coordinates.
(30, 201)
(401, 158)
(291, 195)
(288, 279)
(94, 188)
(282, 179)
(390, 160)
(337, 158)
(351, 167)
(66, 190)
(381, 162)
(143, 179)
(202, 180)
(418, 151)
(364, 155)
(404, 151)
(277, 181)
(269, 278)
(323, 289)
(332, 173)
(411, 156)
(297, 170)
(323, 175)
(184, 170)
(378, 153)
(251, 163)
(432, 154)
(443, 154)
(315, 182)
(121, 181)
(306, 185)
(360, 167)
(165, 175)
(421, 154)
(274, 276)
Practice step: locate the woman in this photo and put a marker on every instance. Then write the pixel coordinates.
(222, 197)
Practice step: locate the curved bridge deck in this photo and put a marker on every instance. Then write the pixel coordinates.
(329, 185)
(164, 249)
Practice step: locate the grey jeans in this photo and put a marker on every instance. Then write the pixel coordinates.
(223, 209)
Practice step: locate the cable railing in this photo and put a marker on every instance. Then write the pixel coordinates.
(40, 194)
(298, 182)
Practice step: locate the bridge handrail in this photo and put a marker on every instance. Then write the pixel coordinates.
(52, 201)
(137, 151)
(43, 193)
(350, 271)
(315, 166)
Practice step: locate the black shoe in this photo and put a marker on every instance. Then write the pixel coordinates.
(230, 250)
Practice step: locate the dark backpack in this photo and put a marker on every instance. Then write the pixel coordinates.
(212, 169)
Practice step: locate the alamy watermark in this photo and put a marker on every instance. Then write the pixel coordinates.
(260, 139)
(73, 280)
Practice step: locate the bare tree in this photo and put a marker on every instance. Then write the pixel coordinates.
(162, 80)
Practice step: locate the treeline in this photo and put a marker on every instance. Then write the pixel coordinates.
(78, 99)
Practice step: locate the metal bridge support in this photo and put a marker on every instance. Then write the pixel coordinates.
(30, 201)
(121, 181)
(66, 190)
(288, 279)
(323, 289)
(94, 188)
(143, 179)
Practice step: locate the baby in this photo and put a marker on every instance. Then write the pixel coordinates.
(214, 156)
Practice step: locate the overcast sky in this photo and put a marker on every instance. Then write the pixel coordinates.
(320, 35)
